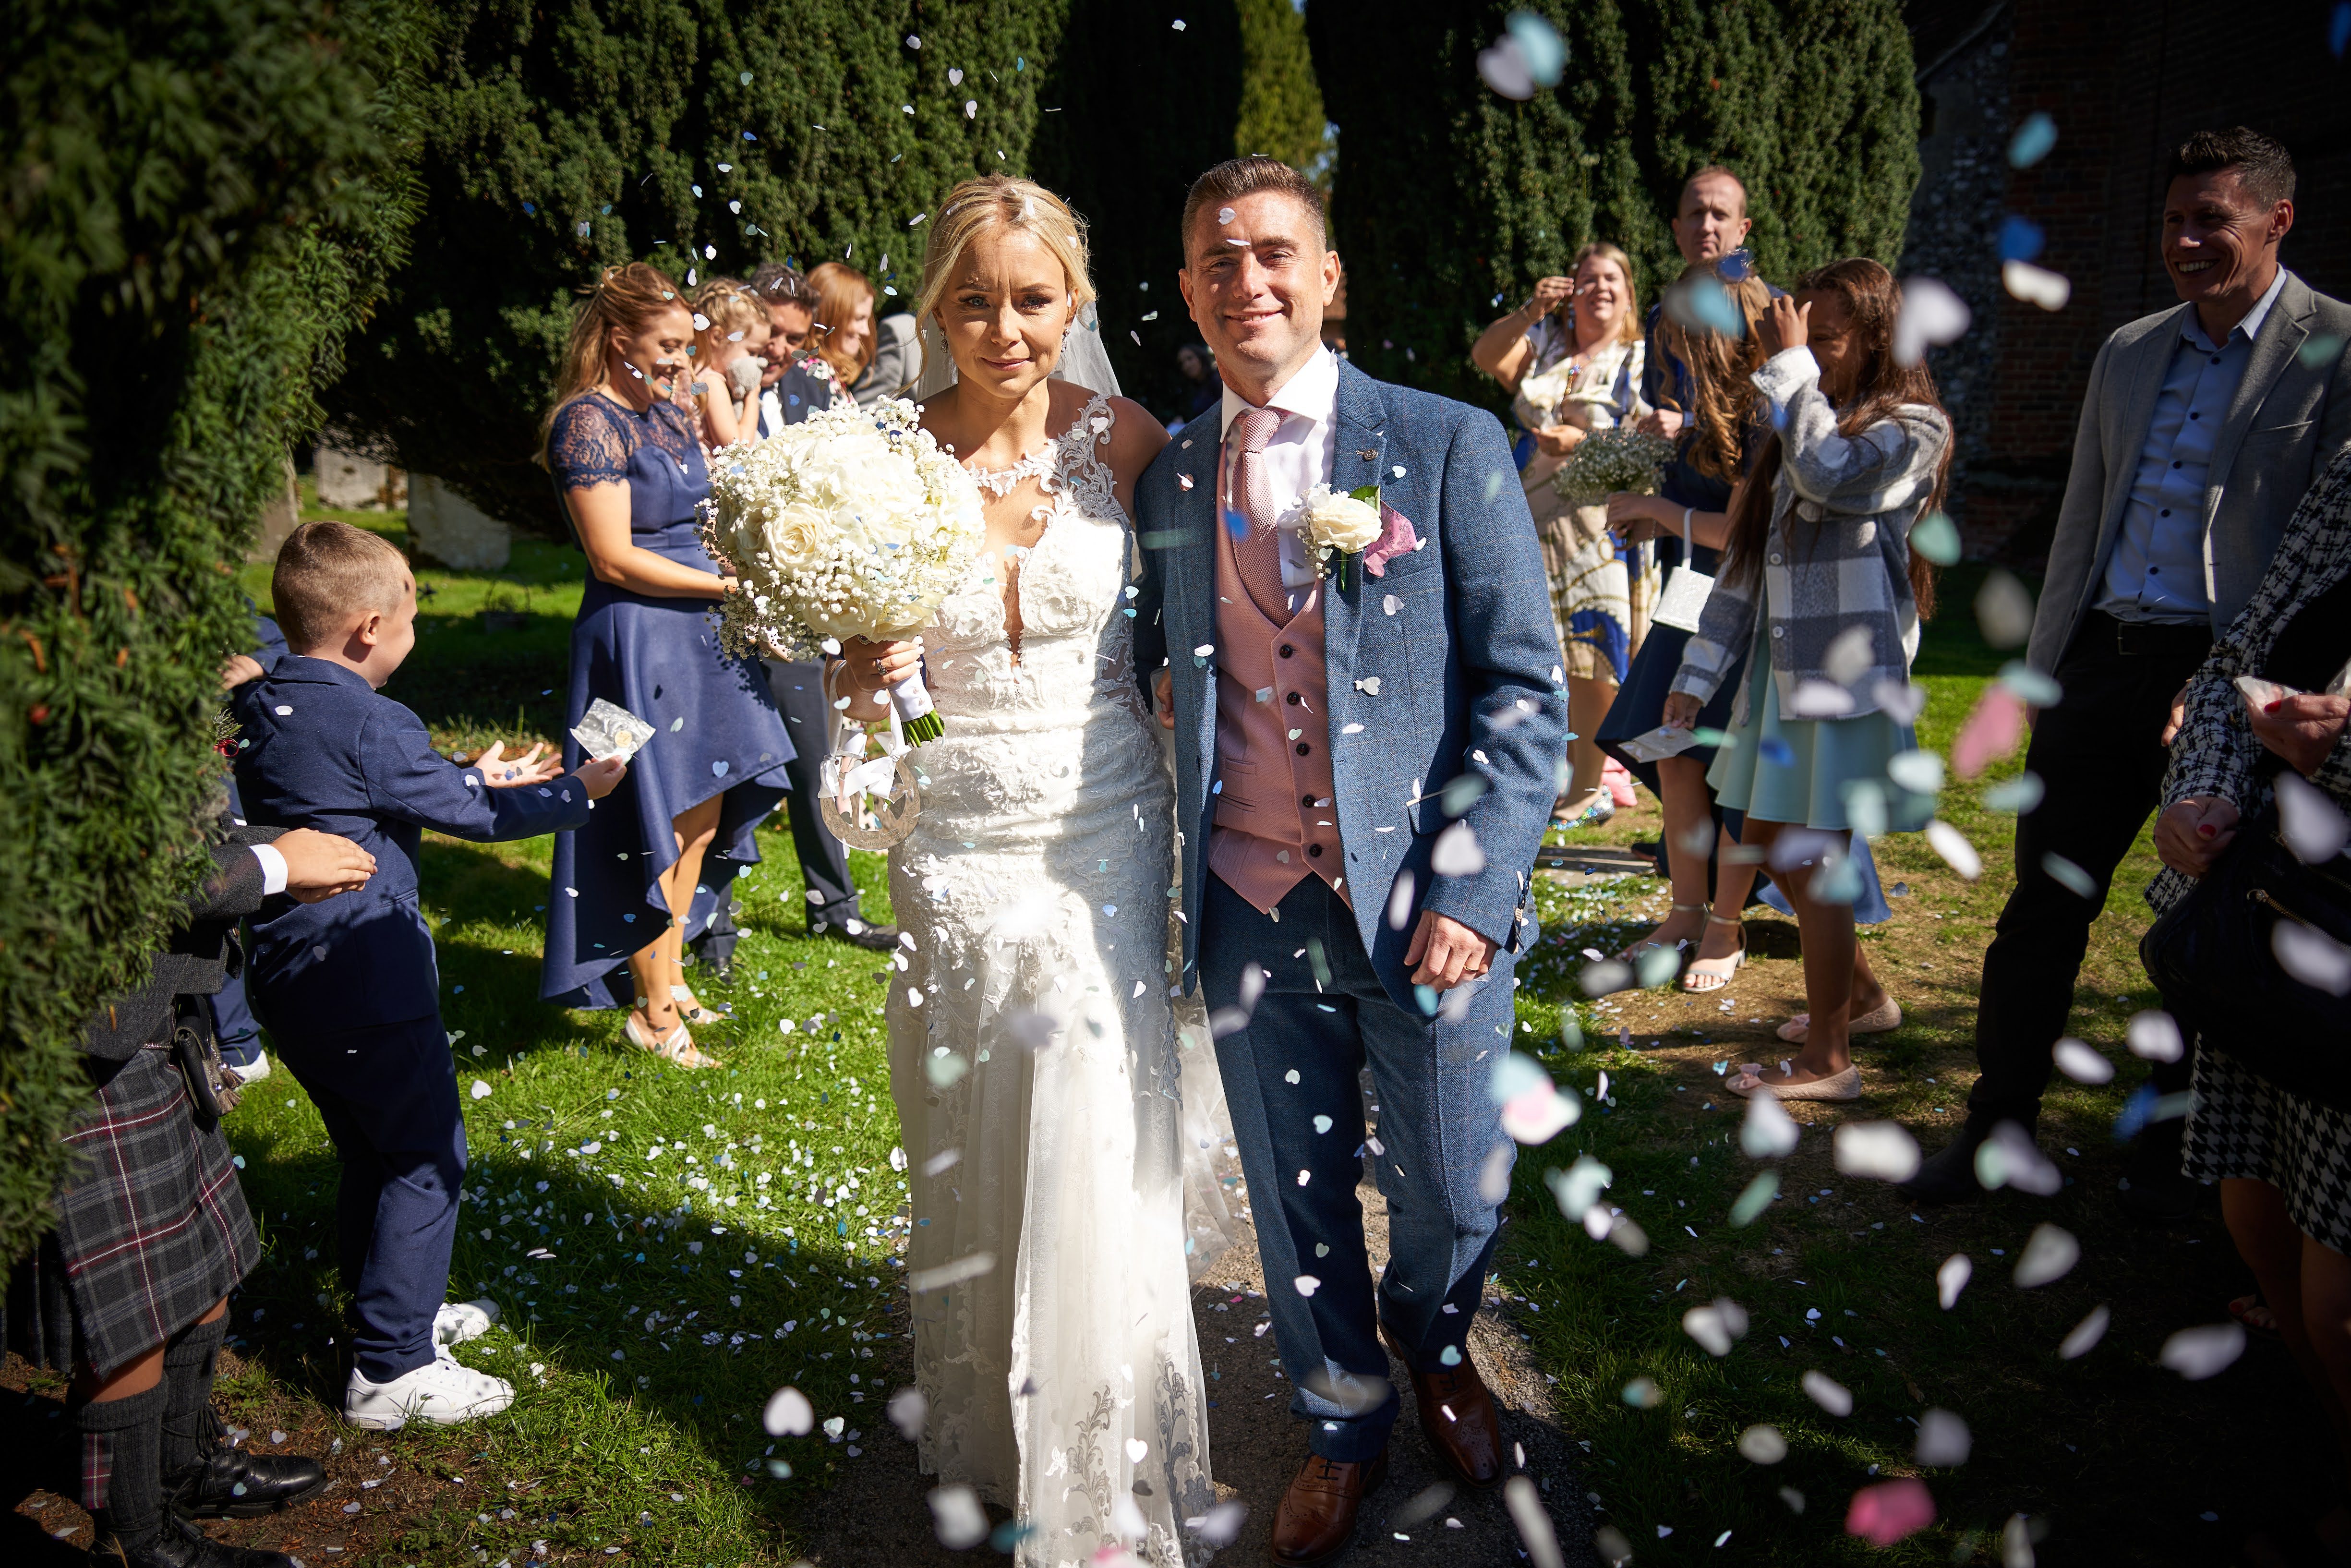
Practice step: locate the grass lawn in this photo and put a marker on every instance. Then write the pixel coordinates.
(669, 1248)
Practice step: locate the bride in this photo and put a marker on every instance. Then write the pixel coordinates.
(1032, 1052)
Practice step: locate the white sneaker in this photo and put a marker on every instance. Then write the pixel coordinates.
(255, 1070)
(442, 1392)
(458, 1322)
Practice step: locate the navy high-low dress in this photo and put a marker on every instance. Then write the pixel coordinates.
(715, 728)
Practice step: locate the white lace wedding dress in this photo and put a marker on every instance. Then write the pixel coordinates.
(1035, 1059)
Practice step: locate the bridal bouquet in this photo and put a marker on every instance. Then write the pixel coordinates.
(1607, 461)
(852, 524)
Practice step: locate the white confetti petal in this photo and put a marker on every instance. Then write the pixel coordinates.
(1883, 1150)
(2078, 1061)
(2200, 1352)
(2050, 1253)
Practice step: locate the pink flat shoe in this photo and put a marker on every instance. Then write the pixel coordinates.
(1883, 1019)
(1748, 1081)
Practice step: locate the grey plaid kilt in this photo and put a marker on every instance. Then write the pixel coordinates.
(151, 1227)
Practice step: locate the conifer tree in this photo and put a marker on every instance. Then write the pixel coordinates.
(1282, 104)
(1451, 199)
(203, 197)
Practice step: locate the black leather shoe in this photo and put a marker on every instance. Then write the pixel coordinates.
(230, 1483)
(183, 1545)
(1951, 1175)
(873, 938)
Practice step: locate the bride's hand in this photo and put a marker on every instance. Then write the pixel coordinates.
(867, 670)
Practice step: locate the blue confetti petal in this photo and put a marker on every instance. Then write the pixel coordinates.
(2038, 134)
(2338, 30)
(1540, 45)
(718, 769)
(1774, 750)
(2020, 239)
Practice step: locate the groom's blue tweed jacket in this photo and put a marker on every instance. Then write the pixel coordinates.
(1467, 664)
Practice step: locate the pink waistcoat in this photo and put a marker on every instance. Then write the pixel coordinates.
(1274, 822)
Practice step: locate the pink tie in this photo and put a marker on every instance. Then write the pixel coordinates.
(1258, 553)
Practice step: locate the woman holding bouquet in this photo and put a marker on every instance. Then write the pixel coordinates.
(662, 854)
(1033, 1054)
(1572, 358)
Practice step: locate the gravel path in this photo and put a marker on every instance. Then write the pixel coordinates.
(877, 1513)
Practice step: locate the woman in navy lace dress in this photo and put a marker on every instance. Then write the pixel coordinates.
(662, 853)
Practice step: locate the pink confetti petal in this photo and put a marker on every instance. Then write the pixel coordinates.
(1884, 1514)
(1993, 731)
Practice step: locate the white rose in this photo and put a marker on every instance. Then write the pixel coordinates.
(1339, 521)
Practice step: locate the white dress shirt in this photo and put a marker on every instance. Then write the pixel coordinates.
(1299, 456)
(273, 867)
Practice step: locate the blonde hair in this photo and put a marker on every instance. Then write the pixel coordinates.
(1627, 330)
(730, 308)
(626, 297)
(837, 288)
(325, 571)
(1000, 200)
(1722, 400)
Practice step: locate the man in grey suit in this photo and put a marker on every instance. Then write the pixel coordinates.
(2201, 428)
(1366, 751)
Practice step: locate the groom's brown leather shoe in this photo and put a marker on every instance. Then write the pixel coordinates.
(1458, 1416)
(1316, 1518)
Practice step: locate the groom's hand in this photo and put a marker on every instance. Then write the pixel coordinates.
(1164, 700)
(1446, 952)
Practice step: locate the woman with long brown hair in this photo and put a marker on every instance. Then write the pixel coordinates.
(1720, 433)
(1819, 588)
(1572, 358)
(631, 886)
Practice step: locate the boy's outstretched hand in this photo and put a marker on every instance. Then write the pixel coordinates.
(500, 771)
(600, 778)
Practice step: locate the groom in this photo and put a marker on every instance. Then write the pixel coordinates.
(1364, 772)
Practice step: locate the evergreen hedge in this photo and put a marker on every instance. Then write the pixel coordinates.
(1451, 200)
(563, 138)
(201, 197)
(1144, 108)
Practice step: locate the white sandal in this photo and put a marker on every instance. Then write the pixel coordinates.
(1716, 972)
(675, 1048)
(690, 1008)
(1633, 955)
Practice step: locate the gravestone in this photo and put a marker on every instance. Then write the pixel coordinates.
(350, 483)
(279, 518)
(444, 527)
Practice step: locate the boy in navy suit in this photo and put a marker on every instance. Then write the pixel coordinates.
(349, 988)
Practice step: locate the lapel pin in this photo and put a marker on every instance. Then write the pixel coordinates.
(1367, 454)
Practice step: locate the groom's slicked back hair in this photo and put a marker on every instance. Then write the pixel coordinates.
(1238, 177)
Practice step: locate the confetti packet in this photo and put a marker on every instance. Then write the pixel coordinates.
(608, 730)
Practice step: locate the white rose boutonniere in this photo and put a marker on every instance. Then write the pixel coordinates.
(1341, 524)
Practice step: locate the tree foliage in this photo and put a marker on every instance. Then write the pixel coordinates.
(201, 197)
(1144, 108)
(1282, 103)
(699, 134)
(1451, 200)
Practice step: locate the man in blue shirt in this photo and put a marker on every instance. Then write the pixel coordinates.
(2201, 428)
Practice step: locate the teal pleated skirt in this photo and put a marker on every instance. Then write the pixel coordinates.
(1800, 770)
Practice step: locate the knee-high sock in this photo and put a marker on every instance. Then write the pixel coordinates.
(121, 1465)
(190, 1426)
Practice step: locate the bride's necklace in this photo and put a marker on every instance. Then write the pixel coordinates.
(1001, 481)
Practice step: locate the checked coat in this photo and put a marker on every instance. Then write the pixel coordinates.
(1839, 555)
